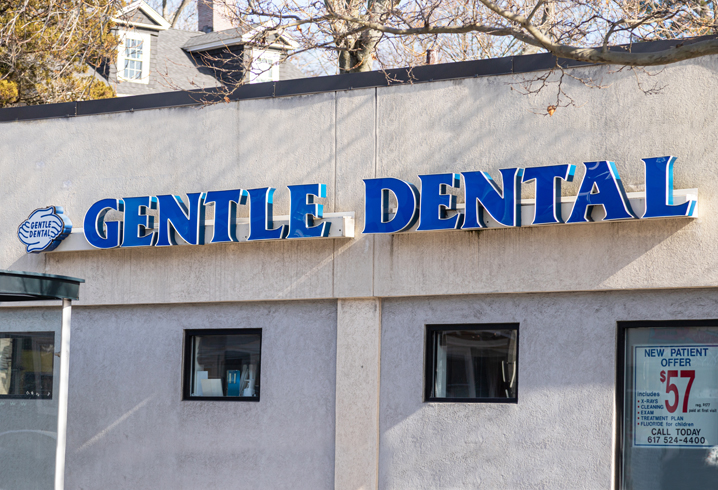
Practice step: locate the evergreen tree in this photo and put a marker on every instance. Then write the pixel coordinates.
(49, 47)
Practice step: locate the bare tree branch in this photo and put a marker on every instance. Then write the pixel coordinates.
(581, 30)
(177, 15)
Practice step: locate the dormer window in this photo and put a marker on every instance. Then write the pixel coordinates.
(264, 66)
(133, 58)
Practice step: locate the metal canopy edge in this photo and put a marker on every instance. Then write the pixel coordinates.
(34, 286)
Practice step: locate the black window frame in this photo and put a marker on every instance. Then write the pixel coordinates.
(187, 362)
(5, 335)
(621, 328)
(429, 329)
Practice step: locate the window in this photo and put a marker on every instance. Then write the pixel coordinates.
(264, 66)
(133, 57)
(222, 364)
(667, 395)
(26, 361)
(472, 363)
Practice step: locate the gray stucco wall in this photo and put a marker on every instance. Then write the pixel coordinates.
(399, 131)
(560, 435)
(566, 285)
(127, 425)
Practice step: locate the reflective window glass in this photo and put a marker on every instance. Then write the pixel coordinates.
(26, 361)
(472, 363)
(222, 364)
(669, 423)
(133, 59)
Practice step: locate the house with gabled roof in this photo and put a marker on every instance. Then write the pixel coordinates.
(153, 57)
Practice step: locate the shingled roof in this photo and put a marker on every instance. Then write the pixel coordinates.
(177, 58)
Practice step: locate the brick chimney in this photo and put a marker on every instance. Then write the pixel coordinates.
(214, 15)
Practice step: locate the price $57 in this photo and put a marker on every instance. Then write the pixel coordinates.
(671, 388)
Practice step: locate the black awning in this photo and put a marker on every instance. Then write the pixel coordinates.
(33, 286)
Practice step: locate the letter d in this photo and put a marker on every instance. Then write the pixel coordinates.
(376, 205)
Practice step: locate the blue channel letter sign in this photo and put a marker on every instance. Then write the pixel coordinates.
(186, 218)
(434, 207)
(601, 186)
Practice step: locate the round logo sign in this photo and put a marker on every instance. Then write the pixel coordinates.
(44, 229)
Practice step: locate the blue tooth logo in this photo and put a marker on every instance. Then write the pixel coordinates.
(44, 229)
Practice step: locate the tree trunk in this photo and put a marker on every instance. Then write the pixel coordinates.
(354, 62)
(358, 55)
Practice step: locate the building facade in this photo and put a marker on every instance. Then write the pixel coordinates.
(372, 357)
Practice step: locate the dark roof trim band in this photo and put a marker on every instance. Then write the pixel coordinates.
(304, 86)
